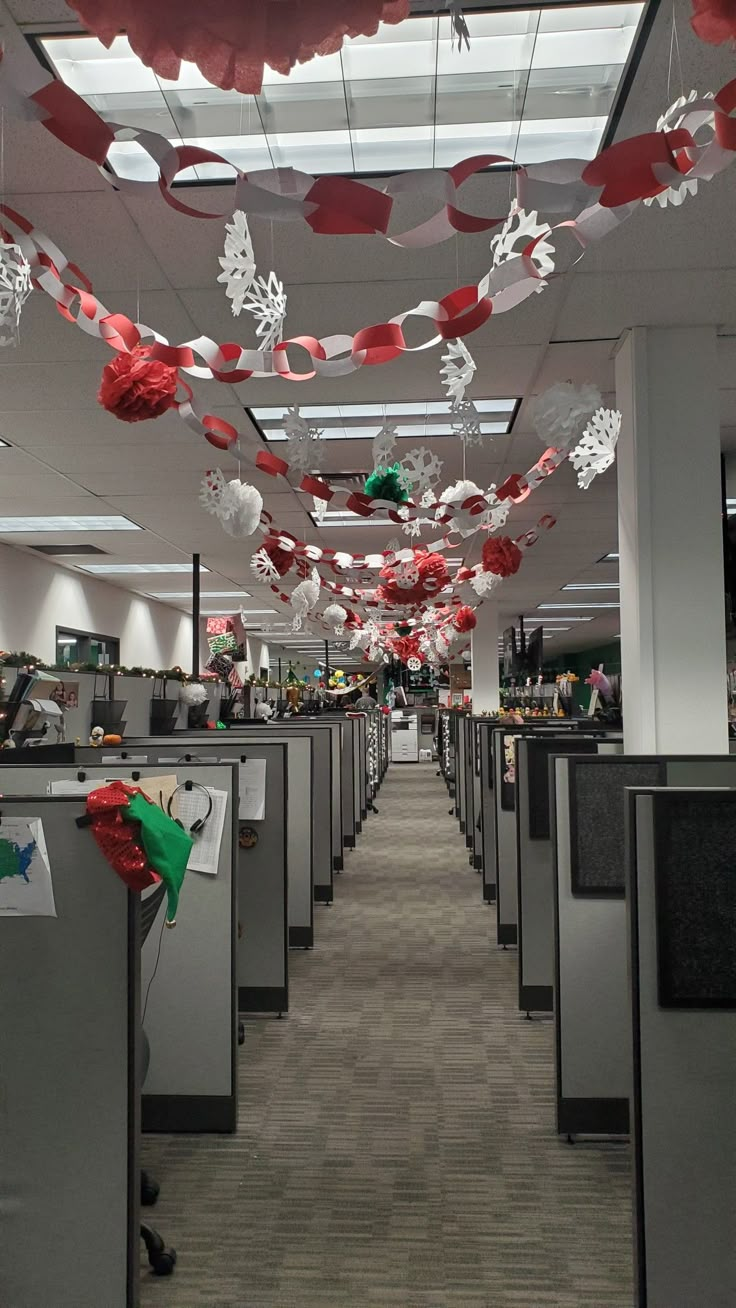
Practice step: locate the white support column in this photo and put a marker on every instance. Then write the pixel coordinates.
(673, 642)
(484, 658)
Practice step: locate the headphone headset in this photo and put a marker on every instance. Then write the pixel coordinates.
(199, 823)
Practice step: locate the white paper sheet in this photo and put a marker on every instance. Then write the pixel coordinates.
(26, 889)
(190, 805)
(74, 787)
(158, 789)
(252, 790)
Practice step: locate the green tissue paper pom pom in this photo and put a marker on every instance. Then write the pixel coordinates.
(388, 484)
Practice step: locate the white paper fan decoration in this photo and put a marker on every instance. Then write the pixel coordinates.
(238, 263)
(597, 450)
(266, 300)
(15, 287)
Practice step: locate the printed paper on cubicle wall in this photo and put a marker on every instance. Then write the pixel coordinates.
(26, 889)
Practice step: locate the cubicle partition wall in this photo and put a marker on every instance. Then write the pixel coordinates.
(70, 1125)
(458, 725)
(341, 780)
(592, 1010)
(477, 852)
(487, 809)
(262, 896)
(191, 1014)
(535, 860)
(682, 960)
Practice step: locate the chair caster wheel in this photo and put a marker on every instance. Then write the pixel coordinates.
(149, 1191)
(162, 1264)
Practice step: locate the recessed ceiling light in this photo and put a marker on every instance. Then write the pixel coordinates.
(104, 522)
(414, 420)
(204, 596)
(591, 585)
(606, 604)
(109, 569)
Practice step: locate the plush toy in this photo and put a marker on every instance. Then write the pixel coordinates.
(97, 736)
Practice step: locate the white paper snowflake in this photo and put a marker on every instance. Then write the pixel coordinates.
(597, 449)
(423, 469)
(238, 264)
(320, 508)
(212, 489)
(413, 663)
(403, 512)
(262, 567)
(407, 576)
(414, 528)
(304, 448)
(383, 445)
(560, 412)
(15, 287)
(466, 423)
(236, 504)
(266, 300)
(517, 232)
(457, 370)
(428, 500)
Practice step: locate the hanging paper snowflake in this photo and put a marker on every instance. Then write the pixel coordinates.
(560, 412)
(519, 230)
(413, 663)
(383, 444)
(459, 29)
(238, 264)
(266, 300)
(484, 582)
(597, 450)
(457, 371)
(15, 287)
(414, 528)
(669, 121)
(428, 500)
(236, 505)
(466, 423)
(262, 567)
(304, 448)
(423, 469)
(319, 510)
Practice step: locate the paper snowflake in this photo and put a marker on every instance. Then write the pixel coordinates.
(238, 264)
(423, 469)
(383, 445)
(459, 29)
(484, 582)
(414, 528)
(466, 423)
(211, 490)
(320, 508)
(262, 567)
(403, 512)
(517, 232)
(407, 576)
(15, 287)
(265, 298)
(428, 500)
(236, 504)
(413, 663)
(304, 448)
(457, 371)
(597, 449)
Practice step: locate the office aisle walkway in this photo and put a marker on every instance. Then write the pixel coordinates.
(396, 1145)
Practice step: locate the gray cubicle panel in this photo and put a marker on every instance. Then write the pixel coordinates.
(364, 788)
(592, 1011)
(263, 985)
(191, 1016)
(535, 860)
(341, 805)
(682, 927)
(351, 726)
(70, 1119)
(460, 779)
(477, 799)
(487, 812)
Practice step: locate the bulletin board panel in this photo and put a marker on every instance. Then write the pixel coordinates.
(191, 1015)
(683, 1058)
(69, 1138)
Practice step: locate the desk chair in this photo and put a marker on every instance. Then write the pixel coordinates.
(161, 1259)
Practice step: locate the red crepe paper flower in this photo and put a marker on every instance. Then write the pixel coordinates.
(135, 388)
(231, 40)
(501, 556)
(353, 619)
(281, 559)
(433, 575)
(464, 619)
(406, 647)
(714, 21)
(463, 574)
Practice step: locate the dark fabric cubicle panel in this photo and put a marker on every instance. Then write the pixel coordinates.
(70, 1123)
(597, 811)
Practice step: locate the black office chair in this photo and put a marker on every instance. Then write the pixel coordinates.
(161, 1259)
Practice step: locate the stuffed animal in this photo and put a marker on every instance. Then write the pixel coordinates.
(97, 736)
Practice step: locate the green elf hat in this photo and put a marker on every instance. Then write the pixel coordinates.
(140, 842)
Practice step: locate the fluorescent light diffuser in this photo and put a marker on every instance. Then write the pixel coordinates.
(401, 99)
(608, 558)
(104, 522)
(591, 585)
(204, 596)
(415, 419)
(604, 605)
(110, 569)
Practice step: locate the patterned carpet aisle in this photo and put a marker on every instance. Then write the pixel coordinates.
(396, 1144)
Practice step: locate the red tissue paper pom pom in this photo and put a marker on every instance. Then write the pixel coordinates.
(406, 647)
(501, 555)
(433, 575)
(353, 619)
(714, 21)
(464, 619)
(280, 558)
(463, 574)
(134, 387)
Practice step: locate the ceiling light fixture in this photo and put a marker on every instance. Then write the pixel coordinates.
(98, 522)
(605, 604)
(591, 585)
(112, 569)
(204, 595)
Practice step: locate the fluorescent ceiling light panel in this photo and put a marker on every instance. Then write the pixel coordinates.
(344, 518)
(204, 596)
(591, 585)
(110, 569)
(608, 558)
(401, 99)
(414, 419)
(100, 522)
(604, 605)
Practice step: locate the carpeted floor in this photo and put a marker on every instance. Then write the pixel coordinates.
(396, 1145)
